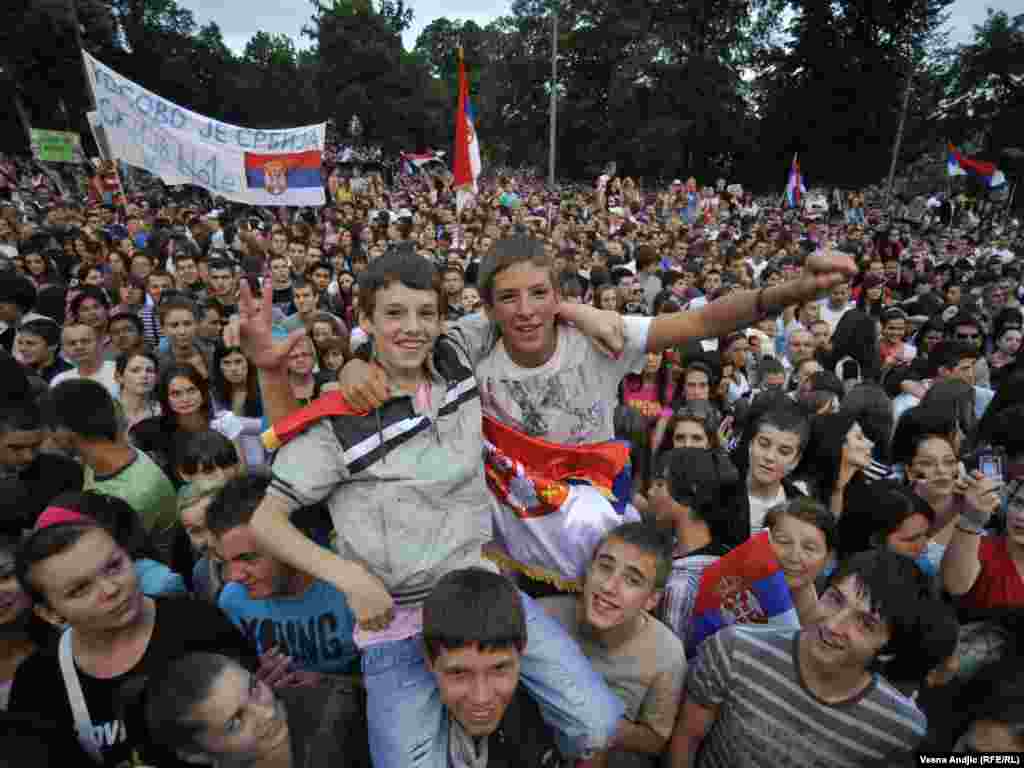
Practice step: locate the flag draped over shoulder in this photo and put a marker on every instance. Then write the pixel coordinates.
(745, 586)
(467, 148)
(961, 165)
(795, 188)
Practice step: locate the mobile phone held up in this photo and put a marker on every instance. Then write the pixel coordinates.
(990, 464)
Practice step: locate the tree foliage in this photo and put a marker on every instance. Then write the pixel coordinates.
(720, 87)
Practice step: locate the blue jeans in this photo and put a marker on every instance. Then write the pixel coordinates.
(409, 725)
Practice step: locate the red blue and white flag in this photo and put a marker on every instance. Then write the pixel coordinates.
(795, 188)
(467, 149)
(745, 586)
(961, 165)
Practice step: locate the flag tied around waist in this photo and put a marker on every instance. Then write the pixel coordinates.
(532, 476)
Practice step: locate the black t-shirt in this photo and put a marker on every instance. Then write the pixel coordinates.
(59, 365)
(283, 298)
(182, 626)
(327, 725)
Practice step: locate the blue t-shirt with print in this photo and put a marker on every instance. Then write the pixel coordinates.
(314, 628)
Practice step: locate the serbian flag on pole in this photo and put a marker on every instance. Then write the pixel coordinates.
(795, 186)
(467, 148)
(961, 165)
(745, 586)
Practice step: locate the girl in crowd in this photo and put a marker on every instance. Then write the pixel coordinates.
(123, 523)
(132, 295)
(804, 535)
(186, 409)
(870, 407)
(207, 708)
(90, 306)
(234, 388)
(886, 514)
(854, 356)
(988, 570)
(650, 392)
(206, 578)
(835, 457)
(135, 375)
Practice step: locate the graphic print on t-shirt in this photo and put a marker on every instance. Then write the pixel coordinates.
(545, 400)
(314, 642)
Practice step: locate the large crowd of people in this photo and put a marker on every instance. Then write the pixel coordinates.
(719, 482)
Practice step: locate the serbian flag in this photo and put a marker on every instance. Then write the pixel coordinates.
(795, 186)
(291, 178)
(961, 165)
(745, 586)
(467, 148)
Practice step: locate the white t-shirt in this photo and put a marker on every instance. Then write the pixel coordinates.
(759, 507)
(570, 399)
(105, 376)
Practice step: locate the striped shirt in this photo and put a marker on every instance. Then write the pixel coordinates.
(767, 717)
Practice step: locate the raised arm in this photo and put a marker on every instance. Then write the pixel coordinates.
(961, 565)
(270, 356)
(743, 308)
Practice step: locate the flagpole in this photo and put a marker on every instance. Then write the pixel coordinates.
(554, 97)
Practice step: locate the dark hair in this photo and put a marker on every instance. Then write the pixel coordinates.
(473, 606)
(221, 388)
(220, 264)
(918, 424)
(1007, 433)
(83, 406)
(872, 409)
(130, 317)
(25, 417)
(172, 694)
(169, 304)
(648, 539)
(769, 366)
(43, 544)
(872, 511)
(399, 264)
(948, 354)
(206, 451)
(234, 504)
(88, 292)
(786, 419)
(895, 589)
(855, 337)
(954, 397)
(163, 388)
(1009, 394)
(702, 480)
(45, 329)
(116, 516)
(807, 510)
(125, 357)
(997, 695)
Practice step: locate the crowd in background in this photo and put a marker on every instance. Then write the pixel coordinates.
(865, 446)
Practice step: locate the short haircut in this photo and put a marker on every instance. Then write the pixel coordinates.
(786, 419)
(83, 406)
(399, 264)
(162, 274)
(116, 516)
(131, 317)
(205, 451)
(473, 607)
(47, 330)
(301, 282)
(172, 693)
(648, 539)
(43, 544)
(211, 304)
(23, 417)
(809, 511)
(174, 303)
(235, 503)
(893, 587)
(126, 357)
(949, 354)
(506, 253)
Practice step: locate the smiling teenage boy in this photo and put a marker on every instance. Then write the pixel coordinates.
(548, 394)
(639, 657)
(765, 697)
